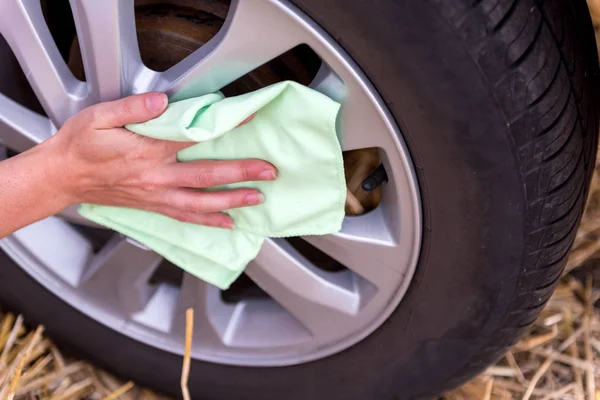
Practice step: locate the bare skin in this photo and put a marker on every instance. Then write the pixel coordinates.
(92, 159)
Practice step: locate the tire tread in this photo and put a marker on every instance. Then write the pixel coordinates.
(556, 134)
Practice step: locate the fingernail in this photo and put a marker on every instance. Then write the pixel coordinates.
(156, 102)
(255, 198)
(267, 175)
(244, 122)
(227, 225)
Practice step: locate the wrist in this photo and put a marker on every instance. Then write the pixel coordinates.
(30, 190)
(52, 174)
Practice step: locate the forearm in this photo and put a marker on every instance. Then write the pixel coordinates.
(28, 192)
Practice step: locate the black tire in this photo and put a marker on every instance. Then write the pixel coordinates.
(498, 103)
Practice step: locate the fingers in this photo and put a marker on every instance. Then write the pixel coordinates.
(199, 202)
(207, 173)
(216, 219)
(129, 110)
(250, 118)
(172, 147)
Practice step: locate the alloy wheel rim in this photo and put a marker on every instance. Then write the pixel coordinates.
(310, 313)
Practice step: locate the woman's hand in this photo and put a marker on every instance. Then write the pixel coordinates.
(92, 159)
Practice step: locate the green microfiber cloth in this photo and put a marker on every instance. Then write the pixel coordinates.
(294, 129)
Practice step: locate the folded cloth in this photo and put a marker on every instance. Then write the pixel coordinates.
(294, 129)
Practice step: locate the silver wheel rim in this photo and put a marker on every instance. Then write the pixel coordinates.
(311, 313)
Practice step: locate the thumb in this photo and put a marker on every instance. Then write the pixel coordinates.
(129, 110)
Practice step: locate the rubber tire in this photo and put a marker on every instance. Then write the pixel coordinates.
(498, 103)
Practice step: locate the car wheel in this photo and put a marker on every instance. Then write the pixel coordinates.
(482, 113)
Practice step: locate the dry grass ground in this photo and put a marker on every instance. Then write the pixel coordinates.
(31, 367)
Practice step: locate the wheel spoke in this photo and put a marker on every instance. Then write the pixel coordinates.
(262, 324)
(329, 83)
(21, 128)
(44, 237)
(317, 299)
(126, 268)
(360, 124)
(211, 314)
(251, 36)
(109, 47)
(364, 246)
(23, 26)
(159, 309)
